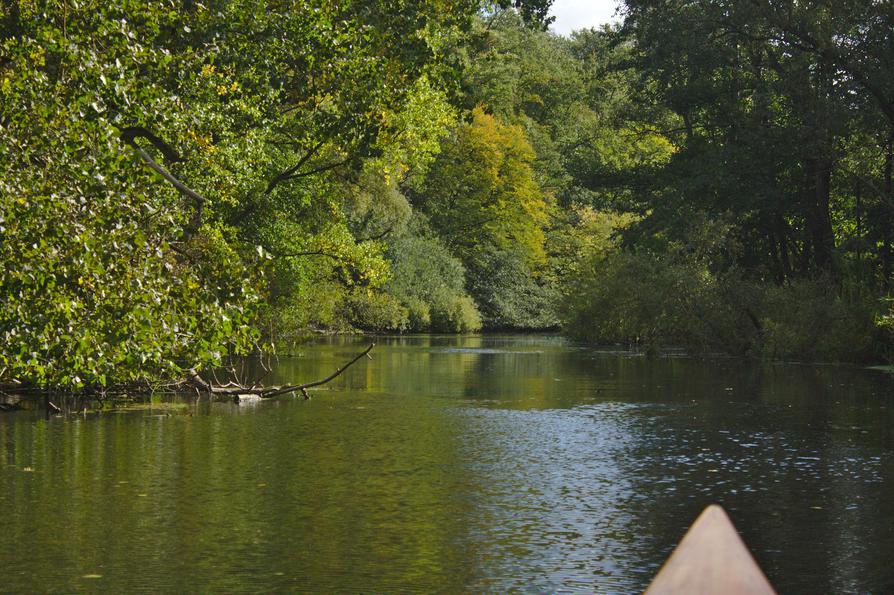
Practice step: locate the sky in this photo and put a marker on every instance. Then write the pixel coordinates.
(580, 14)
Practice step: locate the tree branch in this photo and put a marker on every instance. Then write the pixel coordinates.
(285, 175)
(272, 391)
(377, 236)
(303, 387)
(129, 136)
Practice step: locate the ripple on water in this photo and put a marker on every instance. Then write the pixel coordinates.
(599, 469)
(462, 464)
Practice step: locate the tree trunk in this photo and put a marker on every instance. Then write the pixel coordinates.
(819, 220)
(782, 233)
(778, 275)
(886, 216)
(858, 216)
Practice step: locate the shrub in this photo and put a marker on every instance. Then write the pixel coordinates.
(310, 306)
(455, 315)
(418, 314)
(808, 320)
(634, 299)
(376, 312)
(509, 292)
(652, 301)
(429, 283)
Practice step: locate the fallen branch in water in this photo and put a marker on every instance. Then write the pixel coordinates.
(239, 391)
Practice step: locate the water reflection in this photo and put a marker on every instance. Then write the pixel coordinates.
(459, 464)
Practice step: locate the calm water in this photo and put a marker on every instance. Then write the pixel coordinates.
(447, 464)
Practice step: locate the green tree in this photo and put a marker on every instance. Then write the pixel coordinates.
(430, 282)
(157, 160)
(535, 13)
(483, 200)
(766, 99)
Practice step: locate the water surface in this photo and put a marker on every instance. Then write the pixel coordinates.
(448, 464)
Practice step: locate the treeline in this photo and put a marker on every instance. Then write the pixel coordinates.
(183, 181)
(767, 231)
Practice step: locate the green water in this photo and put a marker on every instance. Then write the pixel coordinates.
(448, 464)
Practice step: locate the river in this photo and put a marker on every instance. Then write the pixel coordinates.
(459, 464)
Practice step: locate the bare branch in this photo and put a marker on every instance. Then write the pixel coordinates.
(129, 136)
(303, 387)
(287, 174)
(267, 392)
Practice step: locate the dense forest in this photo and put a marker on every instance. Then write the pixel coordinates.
(182, 181)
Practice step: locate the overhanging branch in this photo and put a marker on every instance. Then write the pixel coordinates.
(129, 136)
(272, 391)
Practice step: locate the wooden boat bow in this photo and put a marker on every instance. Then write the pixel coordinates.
(711, 559)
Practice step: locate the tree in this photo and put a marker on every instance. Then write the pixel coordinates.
(430, 283)
(156, 160)
(535, 13)
(483, 201)
(770, 197)
(481, 192)
(766, 109)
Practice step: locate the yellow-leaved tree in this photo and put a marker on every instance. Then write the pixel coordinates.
(481, 194)
(482, 198)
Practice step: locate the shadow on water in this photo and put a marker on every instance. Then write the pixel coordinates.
(486, 463)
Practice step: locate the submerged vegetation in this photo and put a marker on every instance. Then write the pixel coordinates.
(184, 181)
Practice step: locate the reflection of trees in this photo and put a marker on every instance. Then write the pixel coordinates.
(359, 496)
(525, 374)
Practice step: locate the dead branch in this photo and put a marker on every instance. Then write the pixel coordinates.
(200, 383)
(303, 387)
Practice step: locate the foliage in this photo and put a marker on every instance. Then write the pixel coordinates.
(431, 284)
(113, 284)
(766, 103)
(535, 13)
(803, 320)
(397, 166)
(377, 312)
(633, 299)
(762, 209)
(481, 191)
(272, 109)
(509, 294)
(653, 301)
(457, 315)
